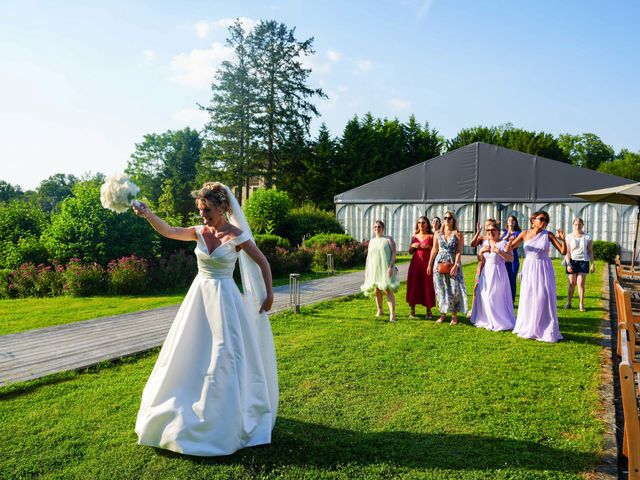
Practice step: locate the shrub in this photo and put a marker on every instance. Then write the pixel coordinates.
(128, 275)
(265, 210)
(82, 280)
(49, 280)
(27, 249)
(5, 278)
(176, 271)
(344, 256)
(268, 243)
(606, 251)
(22, 281)
(308, 221)
(322, 240)
(283, 262)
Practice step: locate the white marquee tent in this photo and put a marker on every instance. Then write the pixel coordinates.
(480, 181)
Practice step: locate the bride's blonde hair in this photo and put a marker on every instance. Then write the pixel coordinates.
(214, 194)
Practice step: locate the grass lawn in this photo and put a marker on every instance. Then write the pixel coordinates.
(360, 398)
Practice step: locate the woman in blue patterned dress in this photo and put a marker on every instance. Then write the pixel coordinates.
(448, 281)
(511, 233)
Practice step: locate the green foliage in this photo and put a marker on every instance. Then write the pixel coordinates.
(606, 251)
(266, 209)
(164, 167)
(586, 150)
(284, 262)
(230, 131)
(128, 275)
(10, 192)
(347, 252)
(83, 280)
(53, 190)
(307, 221)
(83, 229)
(627, 165)
(267, 243)
(282, 93)
(324, 239)
(21, 224)
(535, 143)
(5, 281)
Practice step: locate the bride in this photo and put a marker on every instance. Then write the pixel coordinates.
(214, 388)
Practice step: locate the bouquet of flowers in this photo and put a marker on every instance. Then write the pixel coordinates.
(118, 193)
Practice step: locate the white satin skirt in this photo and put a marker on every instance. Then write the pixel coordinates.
(214, 388)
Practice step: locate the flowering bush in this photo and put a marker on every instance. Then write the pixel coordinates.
(22, 281)
(284, 261)
(174, 272)
(82, 280)
(347, 252)
(268, 243)
(49, 280)
(128, 275)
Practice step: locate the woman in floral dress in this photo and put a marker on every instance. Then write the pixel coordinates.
(448, 281)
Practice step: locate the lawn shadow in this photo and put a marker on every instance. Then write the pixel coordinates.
(581, 329)
(300, 444)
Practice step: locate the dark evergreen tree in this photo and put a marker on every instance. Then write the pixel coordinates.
(231, 146)
(282, 92)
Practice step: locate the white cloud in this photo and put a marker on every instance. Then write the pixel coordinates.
(149, 56)
(197, 68)
(334, 56)
(362, 66)
(399, 104)
(191, 117)
(203, 28)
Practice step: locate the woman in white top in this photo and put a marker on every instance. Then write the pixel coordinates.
(579, 260)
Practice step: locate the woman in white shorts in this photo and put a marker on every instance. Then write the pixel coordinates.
(579, 260)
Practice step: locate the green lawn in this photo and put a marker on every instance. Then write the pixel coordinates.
(360, 398)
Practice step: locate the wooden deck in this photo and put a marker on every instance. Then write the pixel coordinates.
(36, 353)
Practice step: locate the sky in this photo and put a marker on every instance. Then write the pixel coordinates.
(81, 82)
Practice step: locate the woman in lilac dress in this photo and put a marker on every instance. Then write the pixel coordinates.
(537, 314)
(493, 307)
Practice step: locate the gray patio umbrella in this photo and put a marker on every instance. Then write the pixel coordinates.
(628, 194)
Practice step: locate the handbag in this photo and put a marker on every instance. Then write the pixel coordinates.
(444, 268)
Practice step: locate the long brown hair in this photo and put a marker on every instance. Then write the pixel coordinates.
(429, 230)
(453, 220)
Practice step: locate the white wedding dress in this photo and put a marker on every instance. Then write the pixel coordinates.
(214, 388)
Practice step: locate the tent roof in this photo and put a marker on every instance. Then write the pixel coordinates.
(480, 172)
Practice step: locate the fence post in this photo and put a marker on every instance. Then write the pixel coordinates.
(330, 269)
(294, 292)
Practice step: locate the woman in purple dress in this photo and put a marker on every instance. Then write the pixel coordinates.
(493, 307)
(537, 314)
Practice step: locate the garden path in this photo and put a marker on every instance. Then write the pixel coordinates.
(44, 351)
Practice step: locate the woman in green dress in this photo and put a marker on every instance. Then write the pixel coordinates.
(380, 270)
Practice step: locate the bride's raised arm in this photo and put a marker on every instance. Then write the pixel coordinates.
(162, 227)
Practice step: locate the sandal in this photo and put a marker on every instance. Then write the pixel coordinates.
(412, 314)
(380, 313)
(392, 320)
(441, 319)
(428, 316)
(454, 320)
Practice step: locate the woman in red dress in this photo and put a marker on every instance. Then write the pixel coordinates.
(420, 289)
